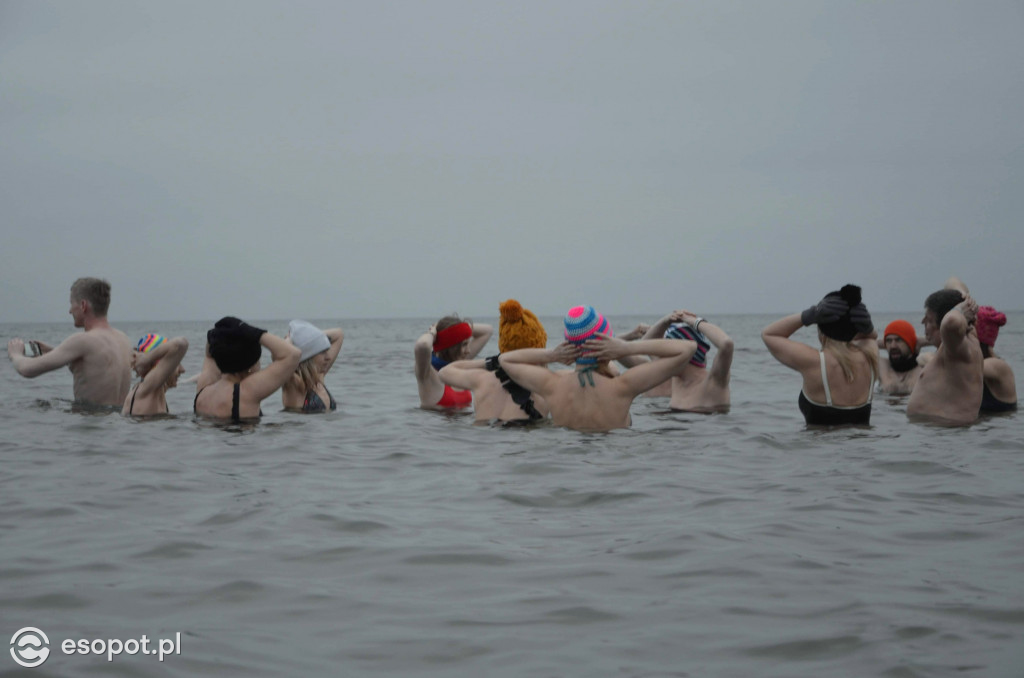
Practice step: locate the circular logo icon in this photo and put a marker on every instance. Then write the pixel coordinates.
(29, 647)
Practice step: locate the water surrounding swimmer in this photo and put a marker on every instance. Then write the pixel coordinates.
(387, 540)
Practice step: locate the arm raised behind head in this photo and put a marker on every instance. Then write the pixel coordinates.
(285, 359)
(528, 366)
(481, 335)
(159, 364)
(463, 374)
(793, 354)
(955, 326)
(336, 336)
(674, 354)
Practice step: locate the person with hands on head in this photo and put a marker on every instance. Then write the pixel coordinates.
(306, 392)
(158, 361)
(451, 338)
(838, 379)
(898, 374)
(99, 358)
(695, 388)
(233, 386)
(592, 397)
(495, 395)
(950, 388)
(999, 388)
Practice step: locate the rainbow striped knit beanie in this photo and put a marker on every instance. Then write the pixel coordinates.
(582, 323)
(149, 342)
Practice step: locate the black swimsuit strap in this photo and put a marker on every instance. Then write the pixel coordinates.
(195, 401)
(234, 403)
(520, 396)
(131, 405)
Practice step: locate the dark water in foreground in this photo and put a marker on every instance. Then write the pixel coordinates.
(385, 540)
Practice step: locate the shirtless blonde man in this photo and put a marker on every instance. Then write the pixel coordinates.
(99, 358)
(593, 397)
(949, 390)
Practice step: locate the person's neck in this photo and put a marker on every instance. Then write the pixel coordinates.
(95, 323)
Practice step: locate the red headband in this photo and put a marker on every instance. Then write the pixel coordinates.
(450, 336)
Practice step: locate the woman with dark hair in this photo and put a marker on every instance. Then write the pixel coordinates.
(999, 392)
(838, 379)
(232, 385)
(450, 339)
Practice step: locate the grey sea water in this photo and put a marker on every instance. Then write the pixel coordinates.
(386, 540)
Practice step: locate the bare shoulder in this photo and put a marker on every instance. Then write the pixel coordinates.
(997, 367)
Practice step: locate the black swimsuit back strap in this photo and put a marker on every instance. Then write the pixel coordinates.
(235, 393)
(520, 396)
(131, 405)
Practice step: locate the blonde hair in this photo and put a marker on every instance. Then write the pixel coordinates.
(95, 291)
(843, 351)
(308, 373)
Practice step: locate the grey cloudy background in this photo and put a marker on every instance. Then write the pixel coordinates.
(385, 159)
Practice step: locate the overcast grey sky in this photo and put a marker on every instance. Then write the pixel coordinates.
(380, 159)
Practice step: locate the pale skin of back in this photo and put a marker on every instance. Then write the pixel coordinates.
(490, 399)
(950, 386)
(804, 359)
(159, 369)
(1000, 380)
(215, 389)
(428, 382)
(99, 358)
(604, 405)
(293, 393)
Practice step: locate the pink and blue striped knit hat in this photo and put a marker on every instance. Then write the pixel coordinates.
(582, 323)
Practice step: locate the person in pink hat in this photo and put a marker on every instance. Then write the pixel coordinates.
(999, 390)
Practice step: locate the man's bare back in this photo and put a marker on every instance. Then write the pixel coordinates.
(949, 389)
(99, 358)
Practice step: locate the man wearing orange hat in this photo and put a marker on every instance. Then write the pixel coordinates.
(898, 375)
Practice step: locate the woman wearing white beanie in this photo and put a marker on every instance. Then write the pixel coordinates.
(305, 392)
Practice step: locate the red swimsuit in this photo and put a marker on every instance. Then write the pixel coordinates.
(455, 398)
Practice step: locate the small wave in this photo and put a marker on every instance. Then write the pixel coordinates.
(567, 499)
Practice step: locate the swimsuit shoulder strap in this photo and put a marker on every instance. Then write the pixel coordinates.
(871, 386)
(131, 405)
(824, 379)
(235, 395)
(195, 400)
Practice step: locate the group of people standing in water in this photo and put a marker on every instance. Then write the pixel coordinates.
(669, 358)
(953, 385)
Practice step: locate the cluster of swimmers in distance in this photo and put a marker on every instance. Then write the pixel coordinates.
(950, 386)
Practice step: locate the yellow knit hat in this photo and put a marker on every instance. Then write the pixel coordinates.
(519, 328)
